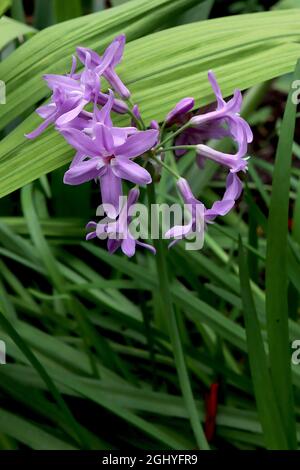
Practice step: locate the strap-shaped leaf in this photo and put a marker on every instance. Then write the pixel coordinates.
(11, 29)
(159, 69)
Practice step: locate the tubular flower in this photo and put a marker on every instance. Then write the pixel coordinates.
(196, 210)
(118, 231)
(113, 56)
(199, 214)
(224, 121)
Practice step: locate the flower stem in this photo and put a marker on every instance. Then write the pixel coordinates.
(164, 165)
(176, 147)
(173, 135)
(166, 301)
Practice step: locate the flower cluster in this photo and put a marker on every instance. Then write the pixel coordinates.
(82, 113)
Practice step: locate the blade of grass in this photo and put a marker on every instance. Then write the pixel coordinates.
(46, 378)
(276, 272)
(166, 300)
(273, 430)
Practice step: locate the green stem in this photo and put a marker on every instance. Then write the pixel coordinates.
(166, 301)
(176, 147)
(164, 165)
(172, 136)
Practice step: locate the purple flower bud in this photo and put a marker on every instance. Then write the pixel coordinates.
(183, 107)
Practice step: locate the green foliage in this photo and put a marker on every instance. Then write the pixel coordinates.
(135, 344)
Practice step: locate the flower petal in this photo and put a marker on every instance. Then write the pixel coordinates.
(80, 141)
(137, 144)
(116, 83)
(111, 189)
(104, 138)
(70, 115)
(85, 171)
(183, 107)
(40, 128)
(130, 171)
(128, 246)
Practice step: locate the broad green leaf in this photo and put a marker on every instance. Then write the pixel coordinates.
(11, 29)
(159, 69)
(4, 5)
(46, 53)
(66, 9)
(276, 272)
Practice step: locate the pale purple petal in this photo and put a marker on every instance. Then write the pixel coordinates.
(104, 138)
(40, 128)
(117, 83)
(61, 81)
(128, 246)
(179, 231)
(147, 246)
(130, 171)
(83, 172)
(183, 107)
(46, 111)
(103, 115)
(234, 162)
(81, 142)
(232, 193)
(70, 115)
(216, 88)
(111, 188)
(137, 144)
(154, 125)
(120, 42)
(185, 190)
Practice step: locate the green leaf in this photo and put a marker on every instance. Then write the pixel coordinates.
(29, 433)
(4, 5)
(273, 430)
(159, 69)
(11, 29)
(276, 272)
(45, 376)
(67, 9)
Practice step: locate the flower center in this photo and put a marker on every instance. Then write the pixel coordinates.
(108, 159)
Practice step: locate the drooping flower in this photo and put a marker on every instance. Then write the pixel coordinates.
(196, 209)
(113, 55)
(183, 107)
(224, 121)
(199, 214)
(233, 191)
(118, 231)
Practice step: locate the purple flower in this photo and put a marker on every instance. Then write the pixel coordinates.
(72, 92)
(228, 122)
(232, 193)
(107, 155)
(113, 56)
(198, 212)
(118, 232)
(195, 226)
(224, 121)
(182, 107)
